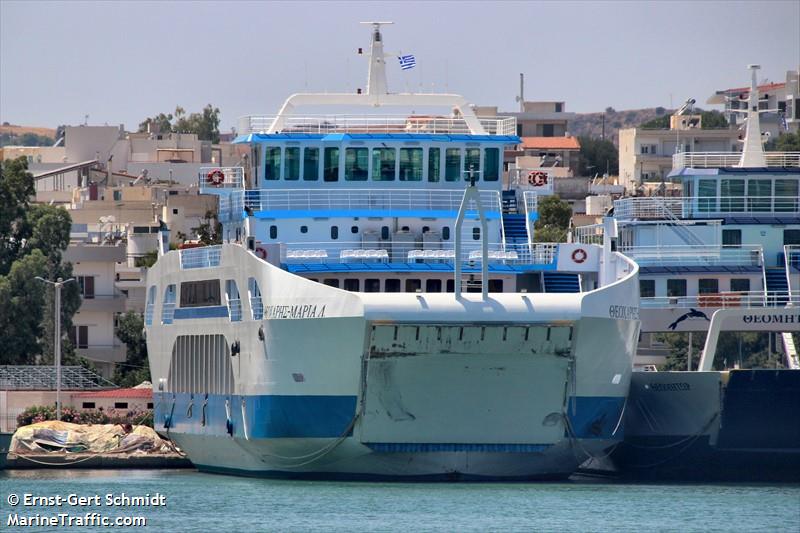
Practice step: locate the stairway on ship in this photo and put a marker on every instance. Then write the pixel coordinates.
(777, 285)
(561, 282)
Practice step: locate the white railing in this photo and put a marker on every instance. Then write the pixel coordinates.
(231, 206)
(791, 258)
(322, 124)
(731, 159)
(531, 199)
(723, 300)
(657, 207)
(167, 312)
(235, 309)
(369, 199)
(591, 234)
(409, 252)
(257, 307)
(148, 313)
(747, 255)
(211, 179)
(201, 257)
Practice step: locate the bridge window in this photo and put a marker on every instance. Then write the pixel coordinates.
(740, 285)
(351, 284)
(472, 162)
(452, 164)
(392, 285)
(759, 192)
(331, 164)
(200, 293)
(291, 169)
(491, 164)
(413, 285)
(311, 164)
(410, 164)
(707, 191)
(334, 232)
(708, 286)
(433, 285)
(434, 162)
(356, 164)
(786, 195)
(647, 288)
(272, 169)
(446, 233)
(731, 195)
(372, 285)
(273, 232)
(676, 287)
(383, 163)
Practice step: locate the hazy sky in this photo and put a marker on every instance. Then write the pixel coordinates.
(120, 62)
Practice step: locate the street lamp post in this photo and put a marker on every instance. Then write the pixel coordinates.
(57, 344)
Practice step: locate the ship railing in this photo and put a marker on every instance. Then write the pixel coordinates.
(724, 300)
(257, 307)
(791, 259)
(167, 312)
(537, 180)
(363, 199)
(421, 124)
(589, 234)
(219, 179)
(201, 257)
(235, 309)
(231, 206)
(712, 255)
(415, 252)
(685, 207)
(731, 159)
(148, 313)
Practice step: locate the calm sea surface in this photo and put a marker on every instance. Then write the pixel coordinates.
(203, 502)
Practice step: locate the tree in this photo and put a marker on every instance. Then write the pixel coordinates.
(787, 142)
(205, 124)
(210, 230)
(742, 349)
(22, 310)
(16, 189)
(597, 156)
(553, 221)
(130, 327)
(658, 123)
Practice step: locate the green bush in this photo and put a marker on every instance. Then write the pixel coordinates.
(41, 413)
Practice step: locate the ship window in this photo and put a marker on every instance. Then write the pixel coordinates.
(759, 192)
(707, 191)
(434, 162)
(433, 285)
(272, 170)
(273, 232)
(331, 164)
(303, 229)
(383, 163)
(786, 195)
(476, 234)
(200, 293)
(256, 305)
(708, 286)
(731, 195)
(446, 233)
(452, 164)
(372, 285)
(472, 162)
(168, 305)
(495, 285)
(410, 164)
(351, 284)
(311, 164)
(392, 285)
(150, 305)
(385, 233)
(356, 164)
(676, 287)
(732, 237)
(413, 285)
(740, 285)
(200, 364)
(491, 164)
(791, 237)
(291, 170)
(647, 288)
(334, 232)
(331, 282)
(450, 286)
(354, 229)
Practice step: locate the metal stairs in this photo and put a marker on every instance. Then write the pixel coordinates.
(514, 229)
(792, 359)
(561, 282)
(686, 235)
(777, 285)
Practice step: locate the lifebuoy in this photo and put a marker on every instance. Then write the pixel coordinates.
(215, 177)
(261, 252)
(537, 178)
(579, 255)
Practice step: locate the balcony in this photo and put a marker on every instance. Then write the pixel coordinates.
(731, 159)
(81, 252)
(104, 303)
(671, 208)
(109, 353)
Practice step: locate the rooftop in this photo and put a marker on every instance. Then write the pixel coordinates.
(144, 393)
(557, 143)
(39, 377)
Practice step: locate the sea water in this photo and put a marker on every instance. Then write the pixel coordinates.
(185, 500)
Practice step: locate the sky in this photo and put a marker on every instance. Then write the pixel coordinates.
(120, 62)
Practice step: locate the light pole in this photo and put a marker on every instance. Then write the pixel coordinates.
(57, 284)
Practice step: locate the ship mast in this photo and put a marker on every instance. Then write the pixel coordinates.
(376, 77)
(753, 150)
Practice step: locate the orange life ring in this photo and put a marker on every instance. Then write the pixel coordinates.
(579, 255)
(215, 177)
(537, 178)
(261, 252)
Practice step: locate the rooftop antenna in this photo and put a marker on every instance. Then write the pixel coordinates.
(521, 97)
(376, 78)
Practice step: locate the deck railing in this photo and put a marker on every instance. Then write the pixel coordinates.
(211, 179)
(363, 199)
(712, 256)
(201, 257)
(685, 207)
(731, 159)
(323, 124)
(723, 300)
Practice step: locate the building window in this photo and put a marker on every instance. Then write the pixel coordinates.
(472, 161)
(410, 164)
(120, 405)
(559, 107)
(383, 163)
(452, 164)
(311, 164)
(87, 405)
(291, 169)
(708, 286)
(676, 287)
(79, 336)
(433, 285)
(273, 232)
(331, 282)
(174, 211)
(740, 285)
(356, 164)
(450, 286)
(392, 285)
(272, 169)
(331, 164)
(372, 285)
(491, 161)
(434, 162)
(446, 233)
(732, 238)
(351, 284)
(647, 288)
(413, 285)
(334, 232)
(548, 130)
(86, 284)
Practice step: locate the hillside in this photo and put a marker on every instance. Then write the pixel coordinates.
(13, 135)
(13, 129)
(591, 124)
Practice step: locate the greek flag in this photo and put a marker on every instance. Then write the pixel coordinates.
(407, 62)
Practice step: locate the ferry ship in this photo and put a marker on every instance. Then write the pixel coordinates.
(723, 256)
(378, 308)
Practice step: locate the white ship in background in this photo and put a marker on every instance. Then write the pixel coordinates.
(377, 311)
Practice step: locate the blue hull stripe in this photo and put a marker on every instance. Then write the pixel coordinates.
(595, 417)
(220, 311)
